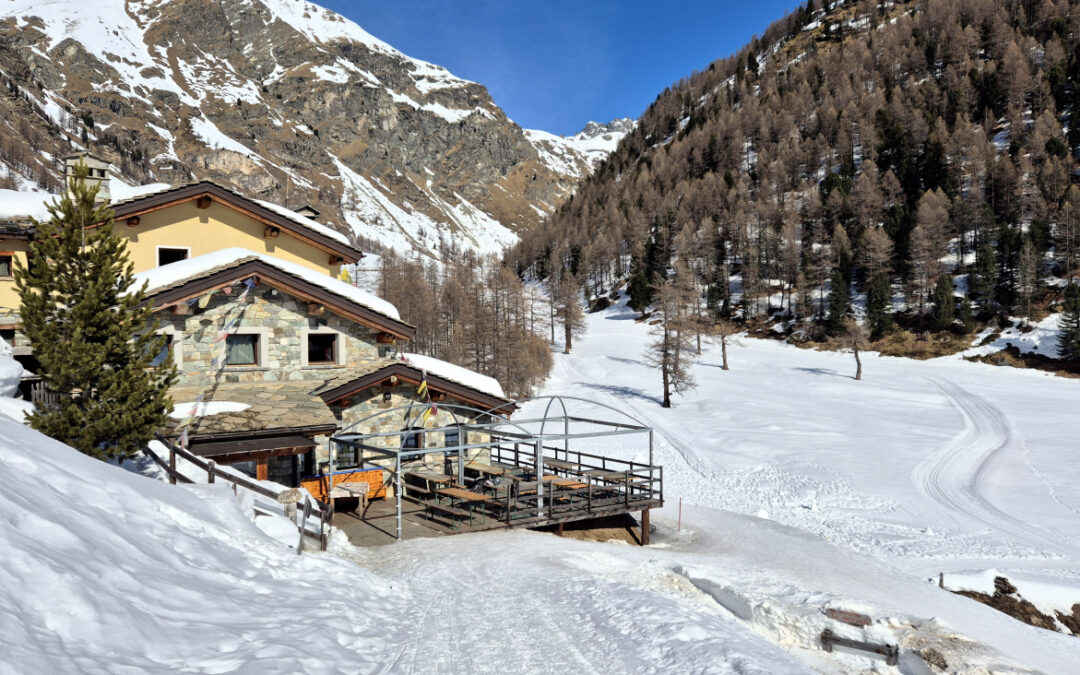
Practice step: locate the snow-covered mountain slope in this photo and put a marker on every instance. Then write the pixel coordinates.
(281, 99)
(595, 142)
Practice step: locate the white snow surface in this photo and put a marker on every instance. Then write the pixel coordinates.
(160, 277)
(488, 385)
(11, 372)
(110, 570)
(205, 408)
(15, 408)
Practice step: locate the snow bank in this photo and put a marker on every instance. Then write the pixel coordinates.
(488, 385)
(15, 408)
(11, 371)
(167, 275)
(106, 571)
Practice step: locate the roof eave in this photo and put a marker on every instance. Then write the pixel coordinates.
(159, 200)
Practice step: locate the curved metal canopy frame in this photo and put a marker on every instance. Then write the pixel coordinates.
(493, 422)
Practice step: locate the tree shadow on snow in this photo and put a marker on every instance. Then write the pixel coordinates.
(633, 362)
(622, 392)
(824, 371)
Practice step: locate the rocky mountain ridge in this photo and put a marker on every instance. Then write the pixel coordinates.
(285, 101)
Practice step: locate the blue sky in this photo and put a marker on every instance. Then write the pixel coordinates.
(555, 64)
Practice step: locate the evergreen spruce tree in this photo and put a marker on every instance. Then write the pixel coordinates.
(878, 304)
(966, 315)
(983, 276)
(1069, 325)
(95, 341)
(944, 310)
(839, 304)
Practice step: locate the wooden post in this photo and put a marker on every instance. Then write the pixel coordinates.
(172, 464)
(303, 524)
(558, 530)
(588, 481)
(210, 472)
(645, 527)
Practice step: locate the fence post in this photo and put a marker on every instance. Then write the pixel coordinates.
(210, 472)
(172, 464)
(303, 524)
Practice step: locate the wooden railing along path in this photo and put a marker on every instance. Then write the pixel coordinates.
(289, 504)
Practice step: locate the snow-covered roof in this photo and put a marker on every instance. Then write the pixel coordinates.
(303, 220)
(172, 274)
(24, 205)
(449, 371)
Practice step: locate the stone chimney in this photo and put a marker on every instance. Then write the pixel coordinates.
(98, 172)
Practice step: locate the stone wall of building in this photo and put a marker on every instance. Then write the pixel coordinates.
(373, 401)
(283, 320)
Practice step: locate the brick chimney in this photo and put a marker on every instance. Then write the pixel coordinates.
(98, 172)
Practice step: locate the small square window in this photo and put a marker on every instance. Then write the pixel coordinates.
(322, 348)
(165, 353)
(412, 440)
(6, 260)
(242, 350)
(166, 256)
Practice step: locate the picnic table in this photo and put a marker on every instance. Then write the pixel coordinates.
(491, 469)
(563, 464)
(355, 489)
(470, 498)
(606, 475)
(433, 480)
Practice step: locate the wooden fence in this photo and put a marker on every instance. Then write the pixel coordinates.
(326, 510)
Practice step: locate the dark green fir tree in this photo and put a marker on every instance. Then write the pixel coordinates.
(879, 305)
(90, 331)
(943, 312)
(966, 315)
(839, 304)
(1069, 325)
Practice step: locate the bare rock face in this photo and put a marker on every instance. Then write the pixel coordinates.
(283, 100)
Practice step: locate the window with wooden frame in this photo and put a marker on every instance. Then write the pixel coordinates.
(412, 439)
(170, 254)
(165, 353)
(7, 262)
(322, 349)
(242, 349)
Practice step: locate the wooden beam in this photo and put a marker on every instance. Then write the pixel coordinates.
(262, 469)
(204, 202)
(315, 309)
(336, 259)
(384, 338)
(644, 527)
(133, 221)
(271, 232)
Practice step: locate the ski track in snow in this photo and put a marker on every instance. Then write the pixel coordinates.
(955, 477)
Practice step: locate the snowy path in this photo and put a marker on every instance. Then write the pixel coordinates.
(955, 477)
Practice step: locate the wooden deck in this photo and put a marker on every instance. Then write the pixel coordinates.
(376, 525)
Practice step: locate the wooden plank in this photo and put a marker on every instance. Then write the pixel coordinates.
(464, 495)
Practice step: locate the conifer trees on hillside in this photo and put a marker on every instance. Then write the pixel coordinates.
(924, 140)
(94, 339)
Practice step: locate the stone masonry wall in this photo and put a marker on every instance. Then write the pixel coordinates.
(284, 317)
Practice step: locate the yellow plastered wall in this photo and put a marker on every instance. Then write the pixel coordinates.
(9, 300)
(212, 229)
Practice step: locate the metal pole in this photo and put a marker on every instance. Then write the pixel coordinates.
(461, 457)
(650, 447)
(397, 492)
(539, 447)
